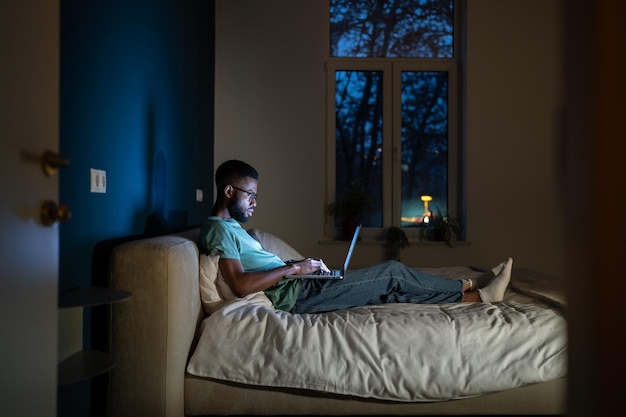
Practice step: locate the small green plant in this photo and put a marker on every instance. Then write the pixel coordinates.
(395, 240)
(441, 227)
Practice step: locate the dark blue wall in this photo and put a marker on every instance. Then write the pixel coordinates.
(136, 101)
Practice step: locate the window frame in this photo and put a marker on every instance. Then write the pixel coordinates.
(392, 69)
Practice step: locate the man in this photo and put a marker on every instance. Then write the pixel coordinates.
(247, 268)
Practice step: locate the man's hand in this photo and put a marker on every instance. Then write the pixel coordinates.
(309, 265)
(243, 283)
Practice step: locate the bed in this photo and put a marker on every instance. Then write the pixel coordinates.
(185, 345)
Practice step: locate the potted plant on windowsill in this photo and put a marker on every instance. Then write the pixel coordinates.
(395, 240)
(441, 227)
(350, 208)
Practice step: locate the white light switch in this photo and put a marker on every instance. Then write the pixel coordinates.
(199, 195)
(98, 180)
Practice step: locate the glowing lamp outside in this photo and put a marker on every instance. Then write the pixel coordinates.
(426, 217)
(426, 199)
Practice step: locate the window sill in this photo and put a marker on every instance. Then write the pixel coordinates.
(373, 241)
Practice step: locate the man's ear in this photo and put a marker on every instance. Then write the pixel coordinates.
(228, 191)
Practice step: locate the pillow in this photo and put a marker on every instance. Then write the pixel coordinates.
(215, 292)
(275, 245)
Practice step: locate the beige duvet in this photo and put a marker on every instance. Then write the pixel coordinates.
(398, 352)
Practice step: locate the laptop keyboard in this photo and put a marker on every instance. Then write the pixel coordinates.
(319, 272)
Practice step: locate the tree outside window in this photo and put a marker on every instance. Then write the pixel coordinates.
(393, 127)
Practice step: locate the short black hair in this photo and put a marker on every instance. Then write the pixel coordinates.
(233, 169)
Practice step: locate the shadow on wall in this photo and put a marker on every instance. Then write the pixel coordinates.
(156, 223)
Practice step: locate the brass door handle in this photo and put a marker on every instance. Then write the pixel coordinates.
(51, 213)
(51, 162)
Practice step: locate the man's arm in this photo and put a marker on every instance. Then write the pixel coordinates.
(243, 283)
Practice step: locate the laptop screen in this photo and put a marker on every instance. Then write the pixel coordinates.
(355, 237)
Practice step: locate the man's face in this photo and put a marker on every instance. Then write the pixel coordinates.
(243, 200)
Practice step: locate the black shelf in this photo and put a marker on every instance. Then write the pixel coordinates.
(83, 365)
(88, 297)
(86, 364)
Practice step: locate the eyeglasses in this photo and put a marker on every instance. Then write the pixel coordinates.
(251, 195)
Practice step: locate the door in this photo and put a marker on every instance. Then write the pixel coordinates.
(29, 125)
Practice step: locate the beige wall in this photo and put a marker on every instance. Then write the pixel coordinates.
(269, 111)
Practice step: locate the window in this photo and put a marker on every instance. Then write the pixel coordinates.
(393, 85)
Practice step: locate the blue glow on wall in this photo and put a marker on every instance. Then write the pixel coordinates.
(136, 86)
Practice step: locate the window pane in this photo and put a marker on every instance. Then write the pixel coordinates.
(424, 144)
(392, 29)
(358, 137)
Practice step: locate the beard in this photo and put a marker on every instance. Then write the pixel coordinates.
(236, 212)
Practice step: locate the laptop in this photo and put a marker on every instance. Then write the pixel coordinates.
(334, 273)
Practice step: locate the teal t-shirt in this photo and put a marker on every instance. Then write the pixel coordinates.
(233, 242)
